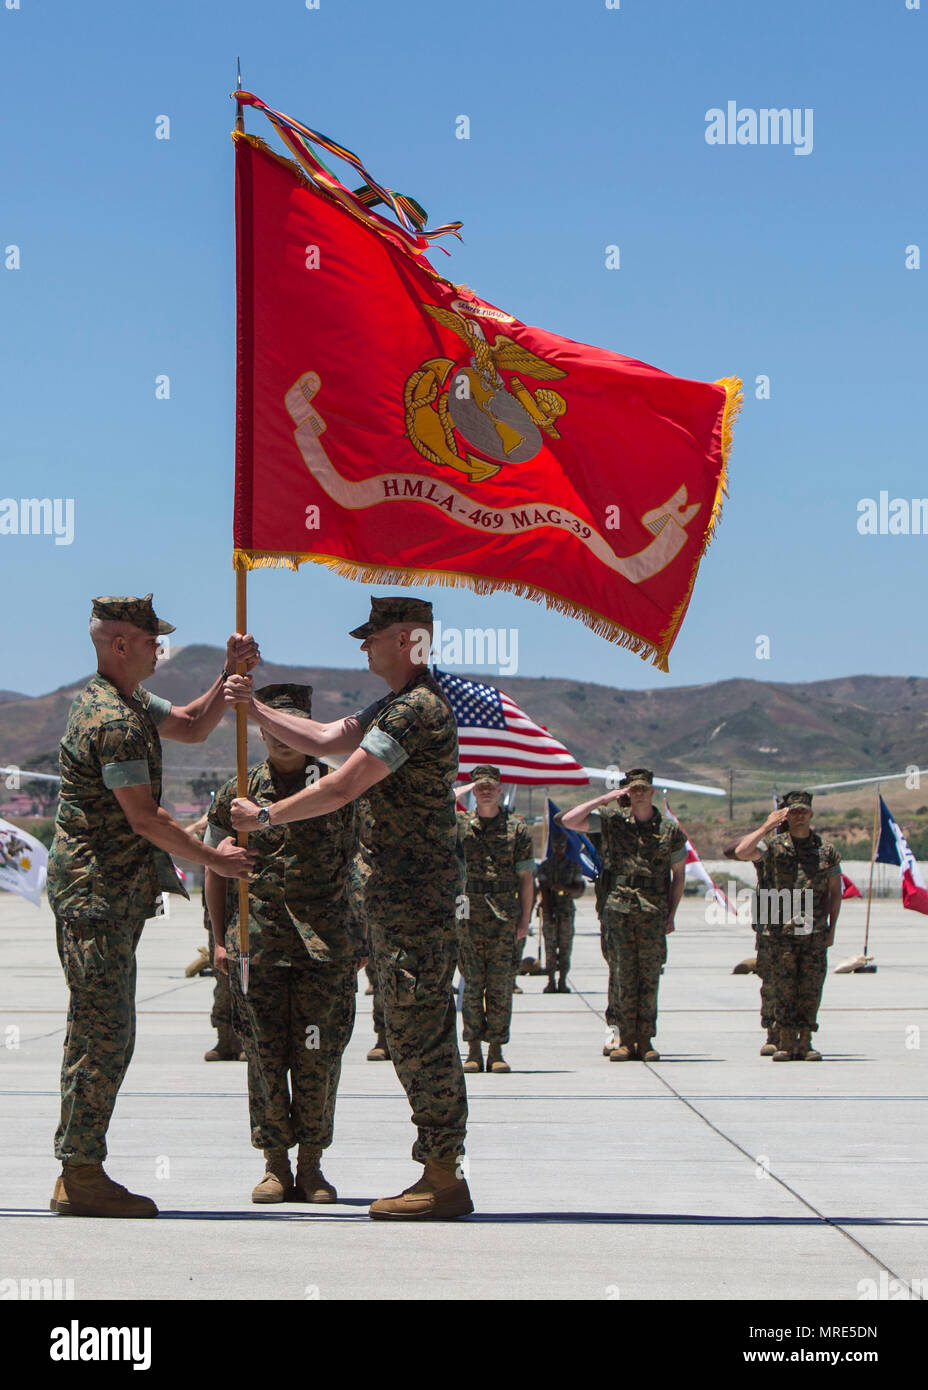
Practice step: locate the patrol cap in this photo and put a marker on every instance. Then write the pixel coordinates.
(486, 772)
(386, 611)
(637, 777)
(137, 611)
(292, 699)
(796, 799)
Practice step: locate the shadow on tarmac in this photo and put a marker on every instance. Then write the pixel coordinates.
(326, 1211)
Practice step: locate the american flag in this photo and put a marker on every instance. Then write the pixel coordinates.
(493, 729)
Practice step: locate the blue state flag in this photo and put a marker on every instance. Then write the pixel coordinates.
(579, 848)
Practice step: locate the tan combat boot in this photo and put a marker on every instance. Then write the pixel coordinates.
(787, 1049)
(310, 1185)
(770, 1046)
(439, 1195)
(474, 1057)
(277, 1183)
(805, 1051)
(495, 1059)
(228, 1048)
(379, 1052)
(625, 1052)
(83, 1189)
(647, 1051)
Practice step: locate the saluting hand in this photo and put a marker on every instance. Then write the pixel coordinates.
(242, 648)
(244, 813)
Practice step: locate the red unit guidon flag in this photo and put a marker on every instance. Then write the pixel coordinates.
(399, 429)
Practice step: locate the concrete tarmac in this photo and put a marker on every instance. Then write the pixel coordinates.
(714, 1173)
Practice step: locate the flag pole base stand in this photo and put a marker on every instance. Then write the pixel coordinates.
(856, 965)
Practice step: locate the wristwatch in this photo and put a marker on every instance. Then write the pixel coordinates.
(264, 815)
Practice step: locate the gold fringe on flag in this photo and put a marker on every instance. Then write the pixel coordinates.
(734, 399)
(366, 573)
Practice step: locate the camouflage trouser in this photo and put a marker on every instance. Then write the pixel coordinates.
(558, 933)
(768, 991)
(98, 958)
(295, 1022)
(221, 1013)
(611, 957)
(800, 964)
(518, 950)
(377, 1001)
(415, 969)
(637, 946)
(487, 966)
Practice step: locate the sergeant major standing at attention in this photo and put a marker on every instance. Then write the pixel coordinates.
(647, 860)
(109, 862)
(497, 849)
(402, 769)
(803, 888)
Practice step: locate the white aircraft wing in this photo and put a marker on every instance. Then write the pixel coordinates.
(603, 774)
(917, 772)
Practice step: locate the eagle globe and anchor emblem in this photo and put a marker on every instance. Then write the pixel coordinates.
(501, 420)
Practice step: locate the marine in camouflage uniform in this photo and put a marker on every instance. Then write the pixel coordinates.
(797, 863)
(402, 770)
(763, 955)
(645, 857)
(497, 851)
(105, 878)
(296, 1019)
(560, 883)
(601, 890)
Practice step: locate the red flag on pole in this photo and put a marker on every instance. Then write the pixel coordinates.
(849, 888)
(399, 429)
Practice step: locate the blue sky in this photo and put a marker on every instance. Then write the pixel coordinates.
(587, 129)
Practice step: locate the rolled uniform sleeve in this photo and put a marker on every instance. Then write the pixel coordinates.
(384, 747)
(395, 737)
(524, 853)
(677, 847)
(123, 755)
(155, 706)
(220, 824)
